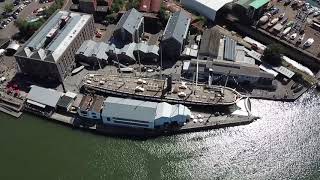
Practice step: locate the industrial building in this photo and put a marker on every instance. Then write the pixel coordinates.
(218, 71)
(49, 53)
(209, 46)
(207, 8)
(129, 28)
(249, 10)
(97, 54)
(93, 54)
(142, 114)
(90, 107)
(66, 102)
(41, 99)
(175, 34)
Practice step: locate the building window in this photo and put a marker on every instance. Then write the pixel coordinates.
(108, 119)
(133, 124)
(94, 116)
(84, 112)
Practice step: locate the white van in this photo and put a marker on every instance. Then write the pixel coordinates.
(2, 51)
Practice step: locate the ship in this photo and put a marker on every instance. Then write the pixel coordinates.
(160, 90)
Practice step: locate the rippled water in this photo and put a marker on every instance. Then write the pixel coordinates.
(283, 144)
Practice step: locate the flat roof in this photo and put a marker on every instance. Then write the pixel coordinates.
(65, 101)
(130, 109)
(258, 3)
(213, 4)
(91, 103)
(48, 97)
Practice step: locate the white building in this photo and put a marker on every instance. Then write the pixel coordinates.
(207, 8)
(142, 114)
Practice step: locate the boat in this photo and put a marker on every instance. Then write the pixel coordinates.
(300, 38)
(161, 90)
(282, 15)
(286, 31)
(76, 70)
(273, 22)
(293, 36)
(264, 19)
(309, 42)
(317, 13)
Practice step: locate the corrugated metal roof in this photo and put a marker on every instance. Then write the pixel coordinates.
(130, 109)
(210, 43)
(37, 41)
(44, 96)
(259, 3)
(59, 43)
(130, 21)
(229, 49)
(177, 26)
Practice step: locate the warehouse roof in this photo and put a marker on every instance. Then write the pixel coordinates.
(258, 3)
(58, 34)
(130, 109)
(89, 103)
(177, 26)
(210, 42)
(212, 4)
(130, 21)
(229, 49)
(48, 97)
(65, 101)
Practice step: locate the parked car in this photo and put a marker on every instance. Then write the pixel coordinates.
(16, 2)
(14, 16)
(274, 11)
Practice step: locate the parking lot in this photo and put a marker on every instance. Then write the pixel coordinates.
(26, 12)
(299, 29)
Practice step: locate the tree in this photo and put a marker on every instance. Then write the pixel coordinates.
(28, 28)
(163, 15)
(272, 54)
(117, 5)
(133, 4)
(111, 18)
(8, 7)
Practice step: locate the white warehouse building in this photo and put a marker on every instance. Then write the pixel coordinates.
(207, 8)
(142, 114)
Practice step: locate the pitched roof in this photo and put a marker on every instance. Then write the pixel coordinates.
(210, 43)
(177, 26)
(130, 21)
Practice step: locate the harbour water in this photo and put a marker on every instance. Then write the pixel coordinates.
(284, 144)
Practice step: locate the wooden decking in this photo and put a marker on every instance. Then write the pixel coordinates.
(155, 90)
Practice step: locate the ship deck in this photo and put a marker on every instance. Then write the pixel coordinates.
(154, 89)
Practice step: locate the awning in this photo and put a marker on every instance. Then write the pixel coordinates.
(36, 104)
(258, 3)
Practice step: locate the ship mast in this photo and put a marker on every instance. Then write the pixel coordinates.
(197, 75)
(160, 61)
(225, 84)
